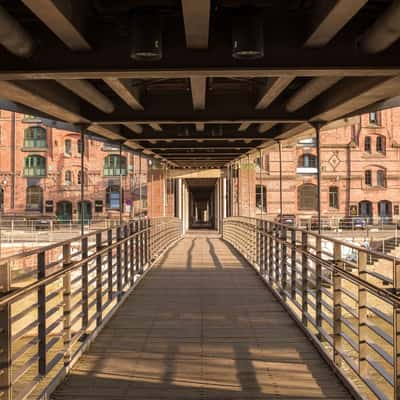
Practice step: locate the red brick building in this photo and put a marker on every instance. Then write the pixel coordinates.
(360, 173)
(40, 174)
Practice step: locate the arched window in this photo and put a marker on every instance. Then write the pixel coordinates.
(113, 197)
(367, 144)
(68, 178)
(35, 137)
(68, 147)
(368, 177)
(307, 196)
(1, 198)
(380, 144)
(381, 178)
(114, 165)
(307, 161)
(35, 166)
(333, 197)
(34, 198)
(79, 146)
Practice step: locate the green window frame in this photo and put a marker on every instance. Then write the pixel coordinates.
(114, 165)
(35, 166)
(35, 137)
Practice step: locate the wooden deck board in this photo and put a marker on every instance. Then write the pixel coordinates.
(201, 325)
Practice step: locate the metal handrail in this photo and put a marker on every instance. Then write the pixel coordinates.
(47, 324)
(350, 311)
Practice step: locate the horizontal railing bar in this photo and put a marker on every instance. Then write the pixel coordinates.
(381, 370)
(381, 333)
(378, 349)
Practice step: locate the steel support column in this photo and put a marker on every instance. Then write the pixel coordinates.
(280, 182)
(317, 126)
(121, 190)
(83, 130)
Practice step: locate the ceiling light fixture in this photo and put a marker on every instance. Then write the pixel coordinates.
(248, 34)
(146, 36)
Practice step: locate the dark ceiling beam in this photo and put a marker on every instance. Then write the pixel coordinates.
(273, 88)
(86, 91)
(109, 132)
(63, 18)
(349, 95)
(134, 127)
(45, 96)
(244, 126)
(200, 126)
(128, 94)
(216, 146)
(352, 94)
(156, 126)
(198, 87)
(266, 126)
(330, 16)
(293, 62)
(310, 91)
(196, 18)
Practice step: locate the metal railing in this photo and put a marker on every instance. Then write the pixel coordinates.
(349, 309)
(69, 293)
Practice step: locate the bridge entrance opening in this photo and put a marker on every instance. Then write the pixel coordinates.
(202, 210)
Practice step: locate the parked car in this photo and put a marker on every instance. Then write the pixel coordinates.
(42, 224)
(353, 223)
(325, 224)
(287, 219)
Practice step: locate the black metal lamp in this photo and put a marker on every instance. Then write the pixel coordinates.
(248, 34)
(146, 36)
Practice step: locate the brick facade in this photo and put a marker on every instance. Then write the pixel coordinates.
(60, 182)
(345, 158)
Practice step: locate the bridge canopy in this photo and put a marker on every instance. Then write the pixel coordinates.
(198, 83)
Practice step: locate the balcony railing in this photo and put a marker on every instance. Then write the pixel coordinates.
(59, 297)
(349, 309)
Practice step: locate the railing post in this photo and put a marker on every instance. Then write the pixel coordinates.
(318, 285)
(119, 263)
(5, 353)
(110, 265)
(41, 262)
(137, 247)
(271, 253)
(337, 306)
(362, 316)
(147, 240)
(293, 263)
(99, 281)
(304, 278)
(278, 260)
(67, 300)
(262, 250)
(85, 285)
(5, 277)
(141, 248)
(284, 261)
(126, 259)
(131, 253)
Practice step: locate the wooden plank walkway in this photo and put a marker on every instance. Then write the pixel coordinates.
(201, 325)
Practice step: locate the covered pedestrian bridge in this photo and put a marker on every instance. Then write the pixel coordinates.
(197, 300)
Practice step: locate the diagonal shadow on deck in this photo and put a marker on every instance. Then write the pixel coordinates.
(201, 325)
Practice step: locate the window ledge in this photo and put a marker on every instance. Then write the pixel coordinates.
(33, 149)
(307, 170)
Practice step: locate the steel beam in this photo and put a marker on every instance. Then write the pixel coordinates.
(330, 16)
(196, 18)
(127, 93)
(273, 88)
(60, 16)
